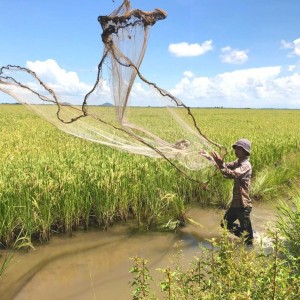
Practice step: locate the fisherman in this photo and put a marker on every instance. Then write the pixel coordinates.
(240, 171)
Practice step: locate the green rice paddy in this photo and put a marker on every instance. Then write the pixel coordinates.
(51, 182)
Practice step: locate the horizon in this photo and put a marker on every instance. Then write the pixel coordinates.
(149, 106)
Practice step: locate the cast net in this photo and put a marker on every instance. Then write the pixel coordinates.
(113, 112)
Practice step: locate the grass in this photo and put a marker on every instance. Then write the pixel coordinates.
(288, 224)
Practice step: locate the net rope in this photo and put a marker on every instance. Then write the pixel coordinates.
(125, 36)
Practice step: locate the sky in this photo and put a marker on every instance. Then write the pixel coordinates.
(208, 53)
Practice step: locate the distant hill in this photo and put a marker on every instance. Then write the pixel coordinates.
(106, 104)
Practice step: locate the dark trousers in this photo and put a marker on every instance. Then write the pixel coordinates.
(245, 226)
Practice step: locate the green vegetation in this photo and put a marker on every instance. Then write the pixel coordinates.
(53, 182)
(288, 224)
(228, 270)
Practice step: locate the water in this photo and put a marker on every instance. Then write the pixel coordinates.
(96, 264)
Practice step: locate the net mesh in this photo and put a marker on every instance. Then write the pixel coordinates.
(109, 112)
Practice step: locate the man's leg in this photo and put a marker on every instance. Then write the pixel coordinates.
(246, 226)
(228, 219)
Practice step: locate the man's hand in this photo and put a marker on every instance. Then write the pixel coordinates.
(213, 156)
(218, 159)
(205, 154)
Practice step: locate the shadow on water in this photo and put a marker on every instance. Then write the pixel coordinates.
(96, 264)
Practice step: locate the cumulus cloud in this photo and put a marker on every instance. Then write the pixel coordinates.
(286, 45)
(291, 68)
(58, 78)
(233, 56)
(256, 87)
(297, 47)
(185, 49)
(66, 84)
(188, 74)
(294, 45)
(140, 95)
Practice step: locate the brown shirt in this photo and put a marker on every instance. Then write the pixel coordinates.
(240, 172)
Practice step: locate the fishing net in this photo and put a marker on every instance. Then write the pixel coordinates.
(112, 112)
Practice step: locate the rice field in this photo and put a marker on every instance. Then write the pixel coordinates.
(51, 182)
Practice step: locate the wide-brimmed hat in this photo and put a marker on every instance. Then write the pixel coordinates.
(244, 143)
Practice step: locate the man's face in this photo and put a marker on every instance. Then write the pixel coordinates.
(239, 152)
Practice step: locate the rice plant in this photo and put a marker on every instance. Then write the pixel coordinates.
(52, 182)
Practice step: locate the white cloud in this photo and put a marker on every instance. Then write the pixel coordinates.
(59, 79)
(286, 45)
(291, 68)
(233, 56)
(256, 87)
(188, 74)
(66, 84)
(294, 45)
(185, 49)
(139, 90)
(297, 46)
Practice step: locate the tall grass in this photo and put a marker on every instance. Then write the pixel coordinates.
(273, 181)
(53, 182)
(288, 224)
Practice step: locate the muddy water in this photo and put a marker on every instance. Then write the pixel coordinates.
(95, 265)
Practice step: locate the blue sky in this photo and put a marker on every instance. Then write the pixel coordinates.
(229, 53)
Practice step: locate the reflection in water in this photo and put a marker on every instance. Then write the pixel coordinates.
(95, 264)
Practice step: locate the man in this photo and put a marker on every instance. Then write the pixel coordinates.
(240, 171)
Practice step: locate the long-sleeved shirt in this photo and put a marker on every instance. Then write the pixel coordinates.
(240, 172)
